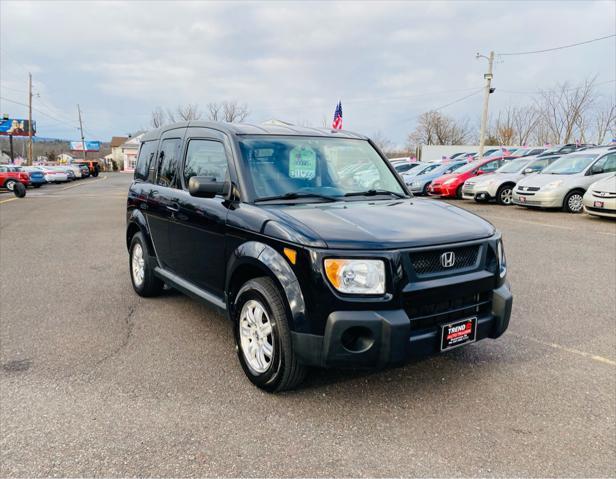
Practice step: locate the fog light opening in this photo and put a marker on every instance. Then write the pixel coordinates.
(357, 339)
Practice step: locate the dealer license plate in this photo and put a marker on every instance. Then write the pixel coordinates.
(458, 333)
(599, 204)
(522, 199)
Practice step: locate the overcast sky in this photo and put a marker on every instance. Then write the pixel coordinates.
(386, 62)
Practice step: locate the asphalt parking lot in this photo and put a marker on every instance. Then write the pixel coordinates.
(96, 381)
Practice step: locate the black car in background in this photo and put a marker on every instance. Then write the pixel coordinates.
(312, 246)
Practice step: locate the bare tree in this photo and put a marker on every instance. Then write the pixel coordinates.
(382, 142)
(214, 111)
(234, 112)
(188, 112)
(504, 130)
(605, 121)
(158, 117)
(563, 110)
(434, 128)
(525, 120)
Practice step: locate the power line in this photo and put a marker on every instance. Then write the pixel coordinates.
(39, 111)
(449, 104)
(557, 48)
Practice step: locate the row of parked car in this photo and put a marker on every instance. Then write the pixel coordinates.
(571, 177)
(38, 175)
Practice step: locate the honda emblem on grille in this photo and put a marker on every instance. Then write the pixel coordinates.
(448, 259)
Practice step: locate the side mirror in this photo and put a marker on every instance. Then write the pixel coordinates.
(480, 172)
(527, 171)
(596, 170)
(207, 187)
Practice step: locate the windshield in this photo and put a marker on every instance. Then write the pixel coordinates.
(470, 166)
(332, 167)
(570, 164)
(425, 168)
(514, 166)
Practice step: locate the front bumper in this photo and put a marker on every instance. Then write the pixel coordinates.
(592, 205)
(547, 199)
(388, 337)
(442, 190)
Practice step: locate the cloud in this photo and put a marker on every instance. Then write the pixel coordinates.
(386, 61)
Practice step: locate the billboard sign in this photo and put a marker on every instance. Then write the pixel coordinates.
(90, 146)
(15, 127)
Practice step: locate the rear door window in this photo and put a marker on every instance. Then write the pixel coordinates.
(146, 154)
(168, 162)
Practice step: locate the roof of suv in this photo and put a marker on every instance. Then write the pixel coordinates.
(250, 129)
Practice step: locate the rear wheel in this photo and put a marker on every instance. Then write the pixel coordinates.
(263, 337)
(573, 202)
(145, 282)
(504, 195)
(10, 184)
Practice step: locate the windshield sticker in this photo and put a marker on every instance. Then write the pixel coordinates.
(302, 163)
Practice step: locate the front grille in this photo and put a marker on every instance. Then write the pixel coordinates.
(430, 262)
(429, 315)
(528, 188)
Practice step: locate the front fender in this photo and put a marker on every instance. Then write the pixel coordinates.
(273, 264)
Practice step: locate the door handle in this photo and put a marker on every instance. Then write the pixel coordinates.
(173, 207)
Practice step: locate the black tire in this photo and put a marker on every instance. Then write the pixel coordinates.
(19, 190)
(573, 202)
(424, 191)
(38, 185)
(284, 372)
(504, 195)
(150, 285)
(10, 184)
(459, 192)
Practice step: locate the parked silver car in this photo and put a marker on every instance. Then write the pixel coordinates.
(600, 199)
(418, 183)
(499, 185)
(564, 182)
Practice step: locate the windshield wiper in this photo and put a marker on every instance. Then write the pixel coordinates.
(374, 192)
(296, 196)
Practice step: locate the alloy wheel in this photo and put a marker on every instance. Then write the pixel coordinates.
(138, 264)
(506, 196)
(256, 338)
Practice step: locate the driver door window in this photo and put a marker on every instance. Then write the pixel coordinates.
(206, 158)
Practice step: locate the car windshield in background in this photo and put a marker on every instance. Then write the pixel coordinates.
(469, 166)
(429, 168)
(570, 164)
(513, 166)
(296, 167)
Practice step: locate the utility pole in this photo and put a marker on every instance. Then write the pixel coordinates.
(29, 161)
(83, 141)
(486, 96)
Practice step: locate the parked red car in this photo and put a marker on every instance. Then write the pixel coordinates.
(9, 175)
(450, 186)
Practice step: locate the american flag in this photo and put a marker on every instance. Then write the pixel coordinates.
(337, 123)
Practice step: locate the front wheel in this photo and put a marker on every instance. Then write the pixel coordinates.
(504, 195)
(424, 191)
(263, 337)
(459, 192)
(573, 202)
(10, 185)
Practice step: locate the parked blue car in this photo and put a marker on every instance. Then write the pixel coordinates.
(37, 177)
(418, 183)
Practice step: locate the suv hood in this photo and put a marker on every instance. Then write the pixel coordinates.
(383, 224)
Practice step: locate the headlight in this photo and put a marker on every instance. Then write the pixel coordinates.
(502, 260)
(552, 186)
(356, 276)
(416, 184)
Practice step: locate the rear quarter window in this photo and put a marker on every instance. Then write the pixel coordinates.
(146, 154)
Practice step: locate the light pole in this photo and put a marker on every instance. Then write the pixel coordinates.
(486, 96)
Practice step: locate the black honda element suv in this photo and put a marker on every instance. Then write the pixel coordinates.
(311, 244)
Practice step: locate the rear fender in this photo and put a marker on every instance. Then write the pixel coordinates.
(136, 222)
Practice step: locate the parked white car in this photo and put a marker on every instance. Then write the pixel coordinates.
(499, 185)
(600, 199)
(564, 182)
(75, 170)
(54, 175)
